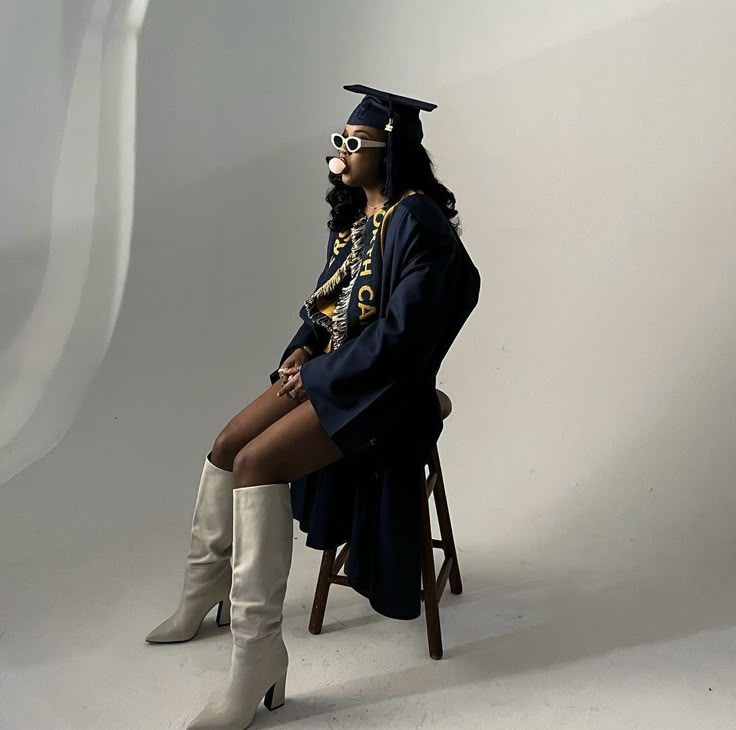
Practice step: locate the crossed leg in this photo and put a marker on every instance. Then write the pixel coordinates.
(274, 440)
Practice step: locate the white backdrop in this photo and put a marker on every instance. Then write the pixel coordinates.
(67, 148)
(589, 456)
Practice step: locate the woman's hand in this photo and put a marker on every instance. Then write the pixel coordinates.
(294, 384)
(298, 357)
(291, 377)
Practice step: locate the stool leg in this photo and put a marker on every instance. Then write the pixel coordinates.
(443, 519)
(429, 579)
(321, 592)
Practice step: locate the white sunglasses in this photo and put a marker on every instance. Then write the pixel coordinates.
(353, 144)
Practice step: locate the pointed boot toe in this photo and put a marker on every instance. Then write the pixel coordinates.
(185, 622)
(261, 561)
(208, 570)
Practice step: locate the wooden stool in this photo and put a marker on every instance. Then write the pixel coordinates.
(433, 584)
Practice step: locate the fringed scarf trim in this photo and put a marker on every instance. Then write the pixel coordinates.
(333, 305)
(322, 299)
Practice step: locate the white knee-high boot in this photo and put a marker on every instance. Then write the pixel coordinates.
(261, 559)
(208, 570)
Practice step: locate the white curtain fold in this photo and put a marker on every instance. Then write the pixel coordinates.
(67, 133)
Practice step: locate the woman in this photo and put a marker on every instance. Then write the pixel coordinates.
(351, 416)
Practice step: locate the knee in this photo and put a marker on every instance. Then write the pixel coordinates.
(224, 451)
(251, 466)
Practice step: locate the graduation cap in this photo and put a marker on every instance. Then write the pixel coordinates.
(395, 114)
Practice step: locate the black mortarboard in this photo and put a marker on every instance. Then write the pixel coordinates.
(391, 112)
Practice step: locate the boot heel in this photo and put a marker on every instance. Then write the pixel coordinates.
(275, 696)
(223, 613)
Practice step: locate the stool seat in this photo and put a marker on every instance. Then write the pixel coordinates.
(445, 403)
(433, 584)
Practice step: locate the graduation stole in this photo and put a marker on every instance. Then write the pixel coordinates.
(348, 300)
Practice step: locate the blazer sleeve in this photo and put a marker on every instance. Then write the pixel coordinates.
(420, 308)
(309, 333)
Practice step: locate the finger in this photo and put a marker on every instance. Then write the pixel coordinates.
(289, 385)
(293, 387)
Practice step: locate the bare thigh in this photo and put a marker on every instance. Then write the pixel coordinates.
(292, 447)
(255, 418)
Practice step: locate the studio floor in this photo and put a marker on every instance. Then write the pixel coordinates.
(539, 652)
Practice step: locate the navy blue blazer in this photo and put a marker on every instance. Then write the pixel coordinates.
(375, 397)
